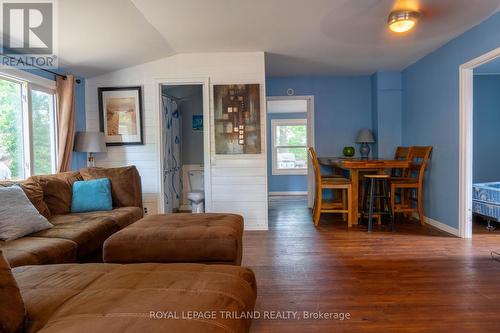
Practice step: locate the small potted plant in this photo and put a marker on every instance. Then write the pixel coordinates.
(349, 151)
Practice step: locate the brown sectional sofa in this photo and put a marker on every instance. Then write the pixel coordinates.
(46, 292)
(125, 298)
(74, 237)
(39, 251)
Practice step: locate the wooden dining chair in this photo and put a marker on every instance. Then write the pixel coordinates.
(402, 153)
(329, 183)
(412, 181)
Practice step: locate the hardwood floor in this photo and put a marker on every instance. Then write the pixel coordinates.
(415, 280)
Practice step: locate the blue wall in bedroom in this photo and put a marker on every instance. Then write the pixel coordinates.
(79, 160)
(342, 105)
(486, 132)
(430, 113)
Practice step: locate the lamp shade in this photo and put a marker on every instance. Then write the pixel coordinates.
(365, 136)
(90, 142)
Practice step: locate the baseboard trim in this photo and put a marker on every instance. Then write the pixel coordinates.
(256, 227)
(441, 226)
(288, 193)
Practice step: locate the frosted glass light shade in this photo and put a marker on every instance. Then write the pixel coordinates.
(402, 20)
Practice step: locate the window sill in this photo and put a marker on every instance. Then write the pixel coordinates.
(289, 172)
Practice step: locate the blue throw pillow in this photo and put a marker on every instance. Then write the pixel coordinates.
(91, 195)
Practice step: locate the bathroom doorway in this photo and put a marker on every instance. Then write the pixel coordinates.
(183, 149)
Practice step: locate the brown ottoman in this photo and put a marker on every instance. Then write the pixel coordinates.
(189, 238)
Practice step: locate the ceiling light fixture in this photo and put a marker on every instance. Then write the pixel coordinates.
(402, 20)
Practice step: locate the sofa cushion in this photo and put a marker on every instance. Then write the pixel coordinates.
(12, 311)
(18, 216)
(33, 191)
(46, 288)
(57, 190)
(111, 297)
(39, 251)
(125, 184)
(91, 195)
(88, 232)
(122, 216)
(207, 238)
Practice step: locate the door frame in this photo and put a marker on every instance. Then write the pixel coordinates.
(310, 137)
(466, 108)
(205, 83)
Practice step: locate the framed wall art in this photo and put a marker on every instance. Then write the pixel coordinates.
(197, 122)
(120, 115)
(237, 119)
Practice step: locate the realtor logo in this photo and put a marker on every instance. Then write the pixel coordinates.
(28, 27)
(28, 33)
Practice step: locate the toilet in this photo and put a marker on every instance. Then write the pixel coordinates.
(196, 194)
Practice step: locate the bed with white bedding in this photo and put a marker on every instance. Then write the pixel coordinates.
(486, 201)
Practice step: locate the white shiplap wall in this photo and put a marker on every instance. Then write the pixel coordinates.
(239, 183)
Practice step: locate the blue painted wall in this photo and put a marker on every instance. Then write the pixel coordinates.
(431, 113)
(374, 101)
(386, 113)
(486, 133)
(342, 106)
(190, 104)
(282, 183)
(192, 141)
(79, 160)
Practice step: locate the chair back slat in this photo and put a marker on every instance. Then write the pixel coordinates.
(419, 157)
(401, 154)
(315, 163)
(317, 174)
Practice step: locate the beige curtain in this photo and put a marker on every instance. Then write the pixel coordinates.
(65, 93)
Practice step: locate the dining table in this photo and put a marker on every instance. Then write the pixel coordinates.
(355, 166)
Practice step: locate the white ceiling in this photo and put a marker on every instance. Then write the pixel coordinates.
(299, 36)
(98, 36)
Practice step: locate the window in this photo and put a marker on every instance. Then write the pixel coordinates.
(27, 129)
(43, 132)
(289, 138)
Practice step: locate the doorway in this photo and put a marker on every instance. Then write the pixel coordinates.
(486, 160)
(466, 137)
(290, 132)
(184, 180)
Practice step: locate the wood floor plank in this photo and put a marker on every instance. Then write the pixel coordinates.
(415, 280)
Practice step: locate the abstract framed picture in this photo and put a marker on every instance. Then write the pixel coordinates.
(197, 122)
(120, 115)
(237, 119)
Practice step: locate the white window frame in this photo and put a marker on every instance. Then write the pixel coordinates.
(53, 127)
(285, 122)
(30, 82)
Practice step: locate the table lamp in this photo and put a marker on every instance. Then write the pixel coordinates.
(90, 142)
(365, 136)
